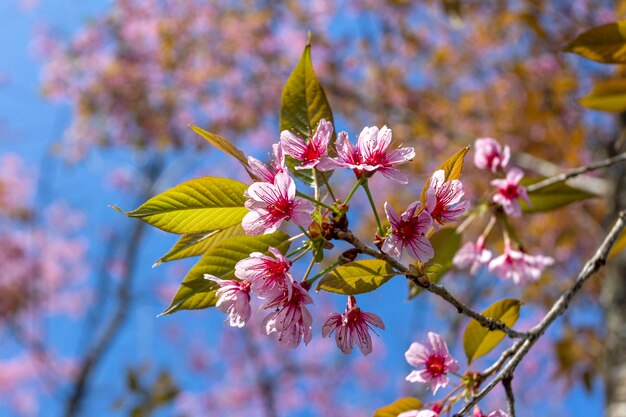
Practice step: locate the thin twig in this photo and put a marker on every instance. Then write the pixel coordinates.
(560, 305)
(577, 171)
(462, 308)
(510, 397)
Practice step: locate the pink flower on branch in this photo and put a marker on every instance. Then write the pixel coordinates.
(268, 276)
(407, 232)
(233, 299)
(308, 153)
(496, 413)
(291, 320)
(370, 155)
(268, 173)
(443, 199)
(352, 326)
(509, 191)
(519, 266)
(472, 254)
(271, 204)
(490, 155)
(435, 359)
(418, 413)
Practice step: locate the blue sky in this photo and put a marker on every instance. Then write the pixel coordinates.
(29, 125)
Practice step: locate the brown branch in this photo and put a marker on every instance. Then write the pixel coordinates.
(436, 289)
(510, 397)
(577, 171)
(593, 265)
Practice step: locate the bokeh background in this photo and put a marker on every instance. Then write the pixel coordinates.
(95, 99)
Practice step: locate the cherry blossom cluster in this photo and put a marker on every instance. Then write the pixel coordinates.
(273, 200)
(435, 364)
(514, 264)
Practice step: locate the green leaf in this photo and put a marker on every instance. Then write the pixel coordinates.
(303, 104)
(477, 340)
(452, 167)
(399, 406)
(605, 43)
(607, 95)
(446, 242)
(196, 292)
(552, 197)
(197, 206)
(198, 243)
(357, 277)
(222, 144)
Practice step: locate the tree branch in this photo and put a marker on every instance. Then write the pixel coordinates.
(510, 397)
(576, 171)
(439, 290)
(592, 266)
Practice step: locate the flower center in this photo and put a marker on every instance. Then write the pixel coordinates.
(436, 365)
(510, 192)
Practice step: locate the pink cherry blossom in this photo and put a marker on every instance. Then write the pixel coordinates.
(233, 299)
(268, 173)
(418, 413)
(271, 204)
(509, 191)
(435, 359)
(370, 155)
(490, 155)
(291, 319)
(268, 276)
(519, 266)
(407, 232)
(472, 254)
(496, 413)
(353, 325)
(443, 199)
(308, 153)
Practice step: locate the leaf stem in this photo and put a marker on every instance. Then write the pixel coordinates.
(371, 200)
(324, 272)
(330, 190)
(314, 201)
(356, 187)
(309, 268)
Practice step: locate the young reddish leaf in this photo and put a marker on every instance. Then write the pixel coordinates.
(453, 168)
(477, 340)
(222, 144)
(196, 206)
(607, 95)
(196, 292)
(552, 197)
(198, 243)
(357, 277)
(303, 103)
(399, 406)
(605, 43)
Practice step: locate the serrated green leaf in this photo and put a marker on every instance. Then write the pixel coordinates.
(477, 340)
(446, 242)
(303, 104)
(357, 277)
(552, 197)
(196, 206)
(607, 95)
(452, 167)
(222, 144)
(196, 292)
(198, 243)
(605, 43)
(399, 406)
